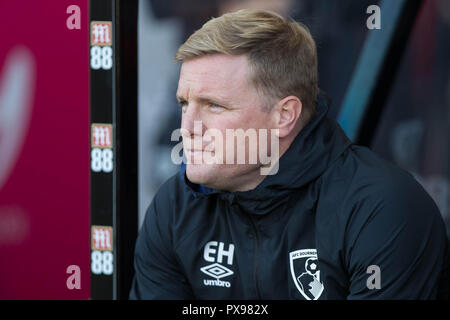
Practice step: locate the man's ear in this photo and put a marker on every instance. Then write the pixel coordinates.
(286, 114)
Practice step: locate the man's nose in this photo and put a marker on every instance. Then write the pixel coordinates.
(191, 122)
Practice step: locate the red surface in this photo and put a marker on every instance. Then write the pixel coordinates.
(47, 192)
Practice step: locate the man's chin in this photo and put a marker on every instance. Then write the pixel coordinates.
(201, 174)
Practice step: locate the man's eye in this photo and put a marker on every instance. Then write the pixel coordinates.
(215, 106)
(183, 103)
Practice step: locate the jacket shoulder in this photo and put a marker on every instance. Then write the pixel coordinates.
(167, 201)
(360, 176)
(171, 192)
(172, 208)
(363, 193)
(376, 213)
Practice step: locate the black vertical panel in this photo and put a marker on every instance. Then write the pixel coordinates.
(126, 124)
(113, 97)
(101, 182)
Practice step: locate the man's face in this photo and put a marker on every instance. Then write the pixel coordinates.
(215, 89)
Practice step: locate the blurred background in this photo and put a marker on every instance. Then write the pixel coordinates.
(44, 117)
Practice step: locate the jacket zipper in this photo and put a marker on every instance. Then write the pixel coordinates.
(255, 267)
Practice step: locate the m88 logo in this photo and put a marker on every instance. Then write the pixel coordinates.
(102, 258)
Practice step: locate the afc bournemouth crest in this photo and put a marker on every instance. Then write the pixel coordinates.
(305, 273)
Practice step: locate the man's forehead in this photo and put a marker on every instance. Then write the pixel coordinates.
(213, 73)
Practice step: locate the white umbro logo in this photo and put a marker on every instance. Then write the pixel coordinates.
(216, 271)
(215, 252)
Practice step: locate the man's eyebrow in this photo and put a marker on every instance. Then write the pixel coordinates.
(210, 100)
(205, 99)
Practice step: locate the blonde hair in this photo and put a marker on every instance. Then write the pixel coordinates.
(282, 54)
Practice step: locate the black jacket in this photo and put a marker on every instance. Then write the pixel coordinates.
(335, 222)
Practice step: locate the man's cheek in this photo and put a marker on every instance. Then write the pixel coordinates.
(214, 143)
